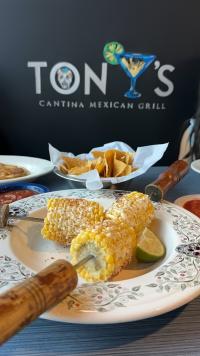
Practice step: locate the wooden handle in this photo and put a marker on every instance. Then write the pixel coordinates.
(167, 180)
(4, 213)
(26, 301)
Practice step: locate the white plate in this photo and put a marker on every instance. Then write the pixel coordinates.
(35, 166)
(136, 293)
(195, 165)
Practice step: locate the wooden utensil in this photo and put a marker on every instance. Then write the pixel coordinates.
(26, 301)
(166, 180)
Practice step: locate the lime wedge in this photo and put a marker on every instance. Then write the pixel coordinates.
(149, 247)
(110, 50)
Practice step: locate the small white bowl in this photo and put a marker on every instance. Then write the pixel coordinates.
(195, 165)
(105, 182)
(182, 200)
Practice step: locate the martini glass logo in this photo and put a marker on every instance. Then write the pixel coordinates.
(133, 64)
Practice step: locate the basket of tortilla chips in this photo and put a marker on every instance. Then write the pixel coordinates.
(112, 163)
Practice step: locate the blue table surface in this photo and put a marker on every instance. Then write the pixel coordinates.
(176, 332)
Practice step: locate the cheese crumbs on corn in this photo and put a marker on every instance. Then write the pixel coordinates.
(135, 209)
(67, 217)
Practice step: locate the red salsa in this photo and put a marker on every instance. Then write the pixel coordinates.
(193, 206)
(13, 195)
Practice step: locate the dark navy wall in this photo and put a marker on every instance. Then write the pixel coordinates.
(76, 31)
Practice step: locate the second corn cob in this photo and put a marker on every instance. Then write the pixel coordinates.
(135, 209)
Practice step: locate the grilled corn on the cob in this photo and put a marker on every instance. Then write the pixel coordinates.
(113, 245)
(135, 209)
(67, 217)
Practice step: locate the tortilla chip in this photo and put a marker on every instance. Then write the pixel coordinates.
(71, 162)
(126, 157)
(110, 163)
(123, 156)
(98, 154)
(109, 157)
(63, 168)
(118, 167)
(99, 164)
(79, 170)
(128, 170)
(120, 155)
(129, 157)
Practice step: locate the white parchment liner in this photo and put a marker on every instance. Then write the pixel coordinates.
(144, 158)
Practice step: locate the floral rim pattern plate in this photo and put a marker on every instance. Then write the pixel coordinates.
(138, 292)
